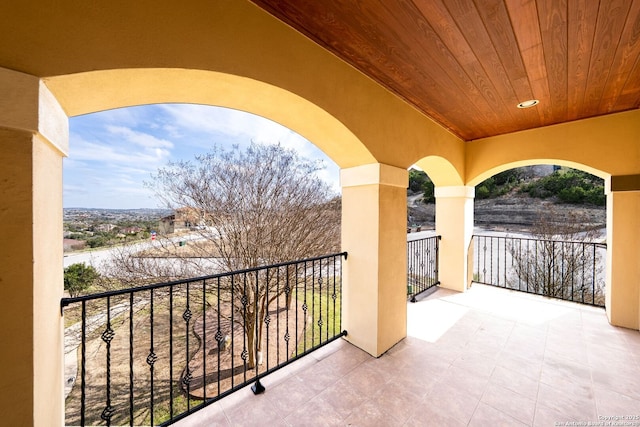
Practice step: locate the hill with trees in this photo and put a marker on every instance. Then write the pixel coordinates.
(513, 199)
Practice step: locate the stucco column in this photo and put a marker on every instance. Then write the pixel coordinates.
(623, 251)
(454, 222)
(374, 220)
(33, 138)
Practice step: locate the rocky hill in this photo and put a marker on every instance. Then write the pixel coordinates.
(511, 212)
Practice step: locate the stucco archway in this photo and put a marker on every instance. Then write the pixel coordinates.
(95, 91)
(592, 145)
(441, 171)
(533, 162)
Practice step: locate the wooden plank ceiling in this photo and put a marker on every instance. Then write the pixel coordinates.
(468, 63)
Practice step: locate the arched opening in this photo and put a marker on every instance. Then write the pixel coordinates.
(112, 152)
(514, 199)
(95, 91)
(542, 229)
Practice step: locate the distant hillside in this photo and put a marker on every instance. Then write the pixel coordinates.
(514, 199)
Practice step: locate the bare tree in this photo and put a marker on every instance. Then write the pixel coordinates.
(561, 261)
(256, 207)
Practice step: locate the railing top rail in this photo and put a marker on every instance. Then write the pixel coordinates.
(598, 244)
(66, 301)
(439, 237)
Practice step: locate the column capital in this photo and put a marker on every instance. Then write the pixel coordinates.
(458, 191)
(374, 174)
(27, 104)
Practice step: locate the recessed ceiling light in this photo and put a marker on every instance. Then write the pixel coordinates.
(529, 103)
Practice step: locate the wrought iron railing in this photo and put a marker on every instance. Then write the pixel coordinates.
(422, 265)
(155, 354)
(572, 271)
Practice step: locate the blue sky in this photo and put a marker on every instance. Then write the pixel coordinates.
(112, 153)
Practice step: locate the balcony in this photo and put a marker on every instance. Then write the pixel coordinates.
(485, 357)
(489, 356)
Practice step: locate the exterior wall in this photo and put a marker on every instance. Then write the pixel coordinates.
(603, 146)
(623, 257)
(245, 59)
(33, 135)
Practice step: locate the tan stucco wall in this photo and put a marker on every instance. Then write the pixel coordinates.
(146, 60)
(33, 138)
(373, 233)
(607, 146)
(604, 146)
(30, 281)
(454, 223)
(623, 258)
(16, 278)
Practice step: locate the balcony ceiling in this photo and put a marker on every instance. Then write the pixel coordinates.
(467, 64)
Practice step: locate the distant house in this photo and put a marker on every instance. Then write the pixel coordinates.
(183, 219)
(131, 230)
(105, 228)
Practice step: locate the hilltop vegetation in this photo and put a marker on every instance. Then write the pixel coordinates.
(515, 199)
(566, 185)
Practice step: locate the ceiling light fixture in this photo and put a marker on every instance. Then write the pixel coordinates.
(528, 104)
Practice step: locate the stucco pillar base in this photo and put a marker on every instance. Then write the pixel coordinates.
(623, 253)
(454, 222)
(33, 138)
(374, 217)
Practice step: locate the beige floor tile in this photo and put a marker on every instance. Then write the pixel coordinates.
(213, 415)
(453, 402)
(622, 383)
(548, 417)
(370, 414)
(426, 415)
(537, 362)
(479, 365)
(573, 401)
(288, 396)
(516, 382)
(485, 415)
(528, 365)
(342, 398)
(259, 408)
(460, 379)
(509, 402)
(316, 412)
(398, 402)
(557, 370)
(365, 378)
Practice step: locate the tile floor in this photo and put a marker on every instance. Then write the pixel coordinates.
(488, 357)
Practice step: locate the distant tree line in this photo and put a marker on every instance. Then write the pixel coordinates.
(96, 239)
(567, 185)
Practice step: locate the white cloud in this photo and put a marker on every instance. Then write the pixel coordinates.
(112, 153)
(141, 139)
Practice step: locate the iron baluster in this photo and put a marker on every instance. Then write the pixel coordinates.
(151, 358)
(107, 336)
(131, 408)
(83, 370)
(171, 352)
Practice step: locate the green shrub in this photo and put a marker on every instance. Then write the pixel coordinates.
(482, 192)
(79, 277)
(572, 195)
